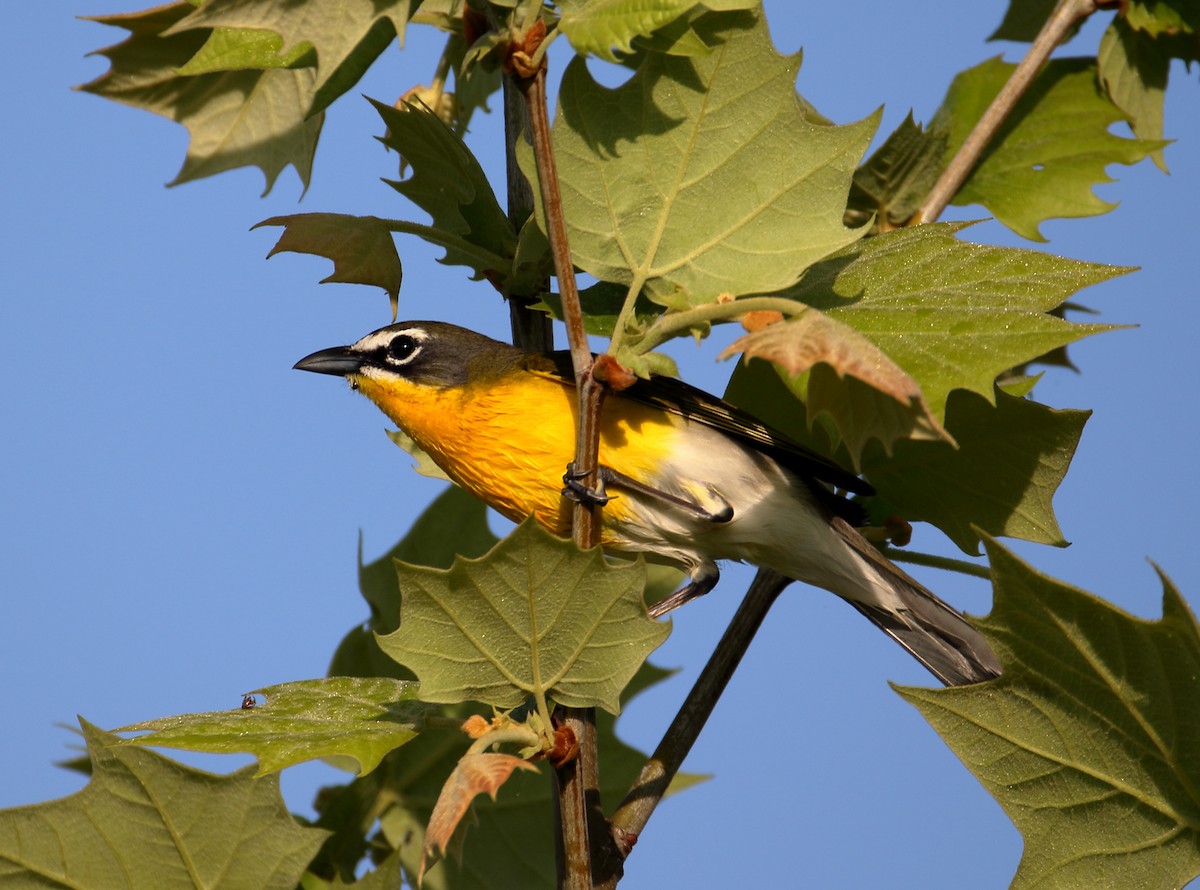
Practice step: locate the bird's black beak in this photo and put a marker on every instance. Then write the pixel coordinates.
(339, 361)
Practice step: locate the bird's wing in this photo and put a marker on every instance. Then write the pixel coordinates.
(675, 396)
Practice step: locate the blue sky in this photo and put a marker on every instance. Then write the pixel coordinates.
(180, 510)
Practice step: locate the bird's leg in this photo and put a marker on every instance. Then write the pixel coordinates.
(704, 580)
(609, 476)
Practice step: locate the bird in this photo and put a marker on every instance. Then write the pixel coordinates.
(686, 478)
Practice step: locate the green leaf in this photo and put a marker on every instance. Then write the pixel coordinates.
(1091, 738)
(1049, 152)
(1161, 18)
(950, 313)
(1133, 71)
(345, 718)
(233, 49)
(361, 247)
(146, 821)
(605, 27)
(1010, 460)
(702, 176)
(235, 118)
(890, 186)
(454, 524)
(448, 183)
(347, 35)
(536, 616)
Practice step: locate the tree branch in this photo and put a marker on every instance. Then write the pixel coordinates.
(639, 804)
(584, 837)
(1064, 17)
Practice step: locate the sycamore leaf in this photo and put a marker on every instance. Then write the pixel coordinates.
(890, 186)
(1001, 479)
(361, 247)
(1090, 740)
(536, 616)
(473, 775)
(454, 524)
(347, 35)
(1133, 69)
(1166, 18)
(146, 821)
(702, 176)
(1049, 152)
(950, 313)
(345, 718)
(234, 118)
(859, 412)
(448, 183)
(386, 876)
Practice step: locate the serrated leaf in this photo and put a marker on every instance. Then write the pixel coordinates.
(1001, 479)
(1163, 17)
(890, 186)
(234, 118)
(1133, 69)
(347, 35)
(1050, 151)
(889, 407)
(448, 183)
(606, 27)
(950, 313)
(1090, 741)
(344, 718)
(702, 176)
(361, 247)
(536, 616)
(454, 524)
(146, 821)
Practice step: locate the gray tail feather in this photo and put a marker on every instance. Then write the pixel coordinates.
(930, 629)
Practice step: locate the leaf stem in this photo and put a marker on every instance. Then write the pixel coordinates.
(639, 804)
(948, 563)
(1064, 17)
(674, 323)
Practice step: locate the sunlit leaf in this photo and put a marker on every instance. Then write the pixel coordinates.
(606, 27)
(536, 616)
(345, 718)
(146, 821)
(1050, 151)
(1091, 738)
(1133, 70)
(702, 176)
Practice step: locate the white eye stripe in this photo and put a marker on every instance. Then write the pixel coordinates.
(382, 338)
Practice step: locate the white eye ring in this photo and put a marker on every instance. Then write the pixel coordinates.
(402, 348)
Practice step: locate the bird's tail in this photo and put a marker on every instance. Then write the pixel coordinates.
(933, 631)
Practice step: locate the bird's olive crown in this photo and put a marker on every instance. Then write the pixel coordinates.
(434, 353)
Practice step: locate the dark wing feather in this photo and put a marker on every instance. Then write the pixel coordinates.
(677, 397)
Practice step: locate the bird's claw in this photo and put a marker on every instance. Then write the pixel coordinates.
(575, 490)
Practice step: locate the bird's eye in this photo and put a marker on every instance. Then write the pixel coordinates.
(401, 349)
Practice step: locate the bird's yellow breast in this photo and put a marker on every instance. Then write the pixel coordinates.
(508, 440)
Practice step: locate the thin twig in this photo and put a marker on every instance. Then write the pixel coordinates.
(584, 837)
(635, 810)
(1066, 14)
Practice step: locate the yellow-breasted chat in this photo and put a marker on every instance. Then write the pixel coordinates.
(687, 479)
